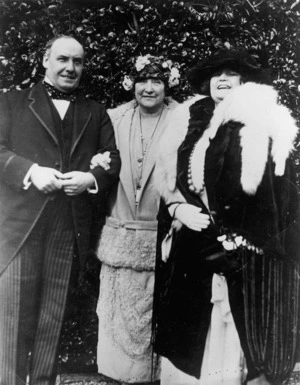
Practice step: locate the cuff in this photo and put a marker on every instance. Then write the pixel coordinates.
(27, 180)
(94, 189)
(173, 207)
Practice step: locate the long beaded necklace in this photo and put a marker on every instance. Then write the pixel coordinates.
(191, 184)
(145, 147)
(196, 166)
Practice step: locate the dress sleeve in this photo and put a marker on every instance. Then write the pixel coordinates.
(105, 178)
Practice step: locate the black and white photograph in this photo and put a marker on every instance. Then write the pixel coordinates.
(149, 192)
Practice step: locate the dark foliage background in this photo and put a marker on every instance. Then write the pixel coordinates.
(115, 31)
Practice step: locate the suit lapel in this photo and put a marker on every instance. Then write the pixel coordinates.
(40, 106)
(82, 116)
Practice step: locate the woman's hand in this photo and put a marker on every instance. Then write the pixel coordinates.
(192, 217)
(101, 160)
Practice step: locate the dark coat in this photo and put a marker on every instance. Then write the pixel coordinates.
(28, 136)
(268, 219)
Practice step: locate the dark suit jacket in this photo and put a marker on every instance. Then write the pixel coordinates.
(28, 136)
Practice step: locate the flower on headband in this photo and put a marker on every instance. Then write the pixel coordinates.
(141, 62)
(167, 64)
(127, 83)
(158, 67)
(174, 77)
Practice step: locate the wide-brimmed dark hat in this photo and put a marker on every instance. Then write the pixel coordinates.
(236, 59)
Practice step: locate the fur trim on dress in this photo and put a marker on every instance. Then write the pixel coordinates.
(255, 105)
(127, 248)
(167, 154)
(265, 123)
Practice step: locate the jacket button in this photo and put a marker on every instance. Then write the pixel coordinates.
(57, 165)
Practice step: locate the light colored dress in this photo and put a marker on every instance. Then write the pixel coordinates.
(223, 362)
(127, 249)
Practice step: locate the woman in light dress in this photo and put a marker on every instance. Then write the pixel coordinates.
(127, 246)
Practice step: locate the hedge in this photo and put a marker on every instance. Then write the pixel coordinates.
(113, 32)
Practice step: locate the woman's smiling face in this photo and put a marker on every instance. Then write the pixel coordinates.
(222, 82)
(150, 93)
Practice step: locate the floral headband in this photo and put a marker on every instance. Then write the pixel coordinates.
(152, 66)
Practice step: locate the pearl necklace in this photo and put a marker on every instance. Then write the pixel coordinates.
(191, 185)
(196, 166)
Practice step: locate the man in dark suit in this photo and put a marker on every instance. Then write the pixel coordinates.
(47, 139)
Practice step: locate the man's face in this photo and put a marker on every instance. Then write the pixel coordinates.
(64, 64)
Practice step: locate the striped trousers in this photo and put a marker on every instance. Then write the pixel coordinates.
(33, 294)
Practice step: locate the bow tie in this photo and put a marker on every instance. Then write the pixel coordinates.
(56, 94)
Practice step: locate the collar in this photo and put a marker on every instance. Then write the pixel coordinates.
(58, 95)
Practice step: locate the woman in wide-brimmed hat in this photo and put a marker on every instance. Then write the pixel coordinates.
(227, 286)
